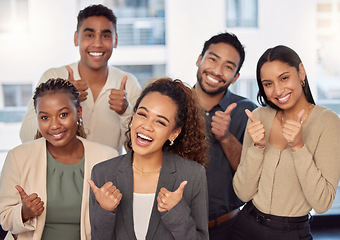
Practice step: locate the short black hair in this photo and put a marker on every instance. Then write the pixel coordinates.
(228, 38)
(96, 10)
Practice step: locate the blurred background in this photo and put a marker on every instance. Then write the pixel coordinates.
(164, 38)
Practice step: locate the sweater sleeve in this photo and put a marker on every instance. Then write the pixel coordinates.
(318, 171)
(10, 201)
(248, 173)
(29, 124)
(190, 222)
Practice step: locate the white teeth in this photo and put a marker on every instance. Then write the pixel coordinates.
(212, 79)
(96, 54)
(144, 137)
(57, 135)
(284, 98)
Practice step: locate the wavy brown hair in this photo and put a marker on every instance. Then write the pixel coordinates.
(59, 85)
(191, 142)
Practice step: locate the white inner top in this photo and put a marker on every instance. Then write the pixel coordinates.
(142, 207)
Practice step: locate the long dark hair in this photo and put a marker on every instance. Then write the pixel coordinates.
(286, 55)
(59, 85)
(191, 142)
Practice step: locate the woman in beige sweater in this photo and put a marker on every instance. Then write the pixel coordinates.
(290, 158)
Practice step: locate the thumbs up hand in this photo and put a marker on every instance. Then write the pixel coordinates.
(167, 200)
(256, 130)
(32, 206)
(292, 132)
(220, 122)
(80, 84)
(118, 101)
(108, 196)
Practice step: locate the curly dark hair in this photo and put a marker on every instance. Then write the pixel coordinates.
(54, 86)
(191, 142)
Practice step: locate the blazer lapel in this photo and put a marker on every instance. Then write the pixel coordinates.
(166, 180)
(41, 181)
(124, 181)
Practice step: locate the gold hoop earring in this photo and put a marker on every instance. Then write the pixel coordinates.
(303, 83)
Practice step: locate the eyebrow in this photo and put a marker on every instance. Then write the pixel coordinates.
(161, 116)
(92, 30)
(106, 31)
(88, 30)
(263, 80)
(282, 74)
(231, 62)
(64, 108)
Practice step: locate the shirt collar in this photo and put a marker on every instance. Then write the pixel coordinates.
(225, 101)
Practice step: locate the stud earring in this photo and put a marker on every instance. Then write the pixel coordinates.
(171, 142)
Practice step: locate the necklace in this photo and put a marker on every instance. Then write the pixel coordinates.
(139, 170)
(303, 118)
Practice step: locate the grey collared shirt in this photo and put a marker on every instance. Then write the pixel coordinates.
(222, 198)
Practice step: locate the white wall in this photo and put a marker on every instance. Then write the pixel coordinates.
(188, 25)
(288, 22)
(25, 56)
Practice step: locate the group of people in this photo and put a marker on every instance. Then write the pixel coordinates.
(195, 155)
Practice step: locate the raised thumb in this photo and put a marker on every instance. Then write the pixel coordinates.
(70, 73)
(21, 191)
(92, 185)
(123, 83)
(181, 187)
(299, 116)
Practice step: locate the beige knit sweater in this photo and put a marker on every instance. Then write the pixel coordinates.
(286, 183)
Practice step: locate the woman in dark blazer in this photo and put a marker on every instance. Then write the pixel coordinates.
(158, 190)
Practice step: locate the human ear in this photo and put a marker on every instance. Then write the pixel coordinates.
(235, 78)
(79, 113)
(75, 39)
(302, 72)
(116, 41)
(199, 59)
(175, 134)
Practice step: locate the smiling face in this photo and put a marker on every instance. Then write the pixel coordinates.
(217, 68)
(153, 124)
(282, 84)
(57, 118)
(96, 39)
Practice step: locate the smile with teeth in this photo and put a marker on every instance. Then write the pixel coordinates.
(139, 135)
(96, 54)
(57, 136)
(283, 99)
(211, 79)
